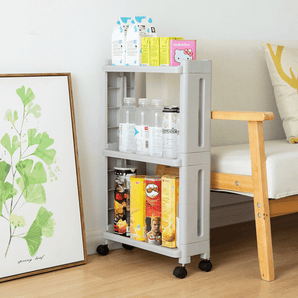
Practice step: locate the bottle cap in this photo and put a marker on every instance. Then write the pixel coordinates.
(145, 101)
(171, 109)
(129, 100)
(157, 102)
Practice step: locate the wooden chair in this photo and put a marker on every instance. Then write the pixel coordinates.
(264, 208)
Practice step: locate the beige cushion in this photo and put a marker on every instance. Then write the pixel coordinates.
(282, 64)
(281, 165)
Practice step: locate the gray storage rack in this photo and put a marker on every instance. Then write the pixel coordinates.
(193, 161)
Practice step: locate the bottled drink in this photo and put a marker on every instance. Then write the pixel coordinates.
(127, 125)
(155, 128)
(169, 132)
(142, 126)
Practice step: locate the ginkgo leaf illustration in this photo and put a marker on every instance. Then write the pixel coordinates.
(33, 238)
(47, 155)
(43, 225)
(26, 97)
(49, 228)
(17, 220)
(32, 139)
(33, 193)
(12, 118)
(36, 176)
(34, 109)
(7, 190)
(10, 146)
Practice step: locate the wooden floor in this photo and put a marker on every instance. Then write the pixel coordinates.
(138, 273)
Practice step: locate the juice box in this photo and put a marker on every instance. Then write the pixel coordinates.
(145, 51)
(137, 207)
(140, 26)
(164, 50)
(154, 51)
(119, 40)
(170, 198)
(153, 210)
(182, 50)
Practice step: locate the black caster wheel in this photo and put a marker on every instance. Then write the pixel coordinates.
(102, 250)
(128, 247)
(180, 272)
(205, 265)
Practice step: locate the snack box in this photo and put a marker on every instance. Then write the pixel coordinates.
(137, 207)
(182, 50)
(164, 50)
(169, 205)
(119, 40)
(145, 51)
(154, 51)
(141, 26)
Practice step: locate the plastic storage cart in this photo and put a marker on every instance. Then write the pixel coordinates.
(193, 160)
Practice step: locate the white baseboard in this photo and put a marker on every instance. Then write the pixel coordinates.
(231, 214)
(219, 216)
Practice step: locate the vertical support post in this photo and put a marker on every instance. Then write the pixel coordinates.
(261, 202)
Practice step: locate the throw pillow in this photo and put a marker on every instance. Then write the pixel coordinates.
(282, 63)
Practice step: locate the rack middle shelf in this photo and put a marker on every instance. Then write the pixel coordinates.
(143, 158)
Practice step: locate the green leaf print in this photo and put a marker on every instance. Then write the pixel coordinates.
(36, 176)
(12, 146)
(47, 155)
(12, 118)
(33, 193)
(43, 225)
(7, 190)
(17, 221)
(34, 110)
(33, 238)
(32, 139)
(26, 97)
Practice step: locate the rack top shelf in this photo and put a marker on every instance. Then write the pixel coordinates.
(187, 66)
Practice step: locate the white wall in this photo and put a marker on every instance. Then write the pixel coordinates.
(74, 36)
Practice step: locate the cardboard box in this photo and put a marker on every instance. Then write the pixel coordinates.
(154, 51)
(182, 50)
(141, 26)
(119, 40)
(164, 50)
(169, 205)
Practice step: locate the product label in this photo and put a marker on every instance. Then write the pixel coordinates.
(155, 141)
(142, 139)
(126, 137)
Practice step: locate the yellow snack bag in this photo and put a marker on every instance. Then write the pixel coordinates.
(145, 44)
(169, 204)
(154, 51)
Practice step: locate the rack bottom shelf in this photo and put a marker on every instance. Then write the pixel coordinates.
(170, 252)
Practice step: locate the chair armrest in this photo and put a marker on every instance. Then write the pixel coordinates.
(242, 116)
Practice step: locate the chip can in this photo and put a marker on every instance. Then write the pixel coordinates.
(122, 199)
(153, 210)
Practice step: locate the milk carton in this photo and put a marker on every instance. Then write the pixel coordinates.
(140, 26)
(119, 40)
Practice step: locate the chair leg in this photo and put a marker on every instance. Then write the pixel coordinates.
(264, 242)
(261, 202)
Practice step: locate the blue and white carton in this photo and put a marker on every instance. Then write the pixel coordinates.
(119, 40)
(140, 26)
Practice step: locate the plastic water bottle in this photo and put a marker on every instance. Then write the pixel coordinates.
(127, 125)
(155, 128)
(142, 127)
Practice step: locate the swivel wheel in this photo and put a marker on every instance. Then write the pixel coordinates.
(205, 265)
(102, 250)
(128, 247)
(180, 272)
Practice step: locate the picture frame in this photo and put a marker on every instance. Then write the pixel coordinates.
(41, 211)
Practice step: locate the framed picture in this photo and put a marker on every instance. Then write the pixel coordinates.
(41, 215)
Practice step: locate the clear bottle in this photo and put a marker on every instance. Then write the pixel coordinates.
(142, 127)
(155, 128)
(127, 125)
